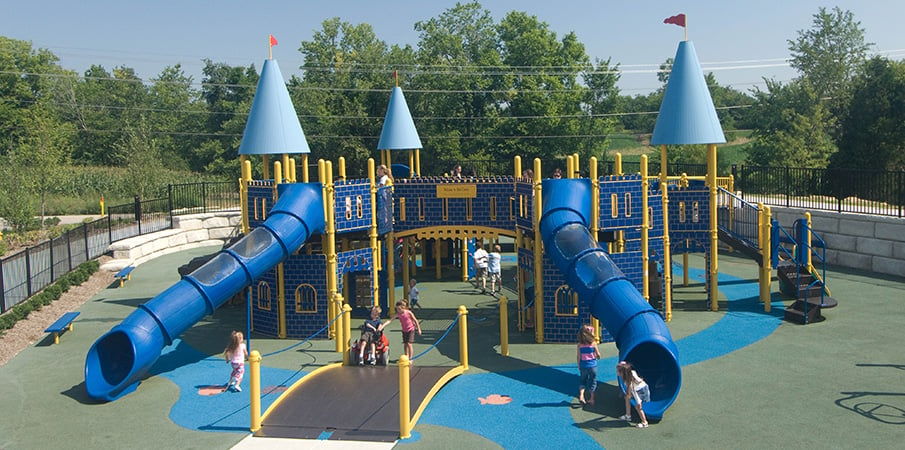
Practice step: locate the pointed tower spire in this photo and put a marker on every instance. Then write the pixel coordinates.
(273, 126)
(687, 115)
(399, 132)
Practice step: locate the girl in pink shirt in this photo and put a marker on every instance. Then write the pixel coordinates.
(409, 324)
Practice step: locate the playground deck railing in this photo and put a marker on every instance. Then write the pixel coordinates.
(27, 272)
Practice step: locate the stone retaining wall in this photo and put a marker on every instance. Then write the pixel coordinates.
(871, 243)
(189, 231)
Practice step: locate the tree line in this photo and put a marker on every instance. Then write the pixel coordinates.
(477, 88)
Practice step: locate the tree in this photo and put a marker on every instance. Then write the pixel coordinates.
(43, 151)
(228, 93)
(791, 127)
(830, 54)
(546, 90)
(345, 90)
(464, 78)
(873, 130)
(176, 117)
(21, 85)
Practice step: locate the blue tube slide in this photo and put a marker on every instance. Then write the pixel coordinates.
(117, 362)
(640, 333)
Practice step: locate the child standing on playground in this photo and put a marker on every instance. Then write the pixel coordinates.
(409, 324)
(493, 268)
(235, 354)
(635, 387)
(588, 354)
(480, 266)
(413, 294)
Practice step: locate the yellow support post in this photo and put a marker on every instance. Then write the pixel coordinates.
(667, 255)
(372, 233)
(463, 336)
(254, 391)
(618, 168)
(663, 164)
(406, 263)
(405, 418)
(347, 332)
(305, 168)
(595, 197)
(714, 233)
(330, 248)
(504, 325)
(766, 269)
(645, 229)
(538, 257)
(575, 167)
(437, 258)
(464, 258)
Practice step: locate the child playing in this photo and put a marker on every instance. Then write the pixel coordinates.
(235, 354)
(494, 270)
(409, 324)
(636, 388)
(588, 354)
(370, 332)
(413, 293)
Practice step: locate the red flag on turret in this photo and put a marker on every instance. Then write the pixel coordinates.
(273, 40)
(678, 19)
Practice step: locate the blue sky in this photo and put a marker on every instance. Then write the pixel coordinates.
(741, 42)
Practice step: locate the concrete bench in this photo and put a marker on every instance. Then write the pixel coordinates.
(124, 275)
(62, 324)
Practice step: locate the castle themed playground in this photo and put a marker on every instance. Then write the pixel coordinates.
(319, 250)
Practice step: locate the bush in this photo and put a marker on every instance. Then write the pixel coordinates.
(48, 295)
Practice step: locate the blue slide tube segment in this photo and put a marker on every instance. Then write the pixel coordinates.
(640, 333)
(117, 362)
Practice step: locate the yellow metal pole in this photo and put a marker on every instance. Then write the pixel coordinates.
(342, 167)
(464, 258)
(504, 325)
(463, 336)
(766, 270)
(663, 164)
(618, 168)
(372, 233)
(595, 197)
(667, 254)
(406, 262)
(714, 233)
(437, 258)
(254, 391)
(517, 167)
(405, 420)
(538, 257)
(418, 162)
(347, 332)
(330, 249)
(570, 166)
(645, 228)
(286, 175)
(305, 168)
(575, 167)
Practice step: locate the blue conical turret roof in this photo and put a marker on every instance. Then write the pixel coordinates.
(399, 131)
(273, 126)
(687, 115)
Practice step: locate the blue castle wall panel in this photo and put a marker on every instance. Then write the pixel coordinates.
(301, 269)
(627, 190)
(353, 205)
(424, 208)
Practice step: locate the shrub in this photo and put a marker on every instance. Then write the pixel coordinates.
(48, 295)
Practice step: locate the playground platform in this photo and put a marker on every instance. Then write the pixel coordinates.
(750, 379)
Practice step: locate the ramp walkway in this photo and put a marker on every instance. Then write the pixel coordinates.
(348, 403)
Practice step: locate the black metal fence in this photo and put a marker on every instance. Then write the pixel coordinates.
(25, 273)
(875, 192)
